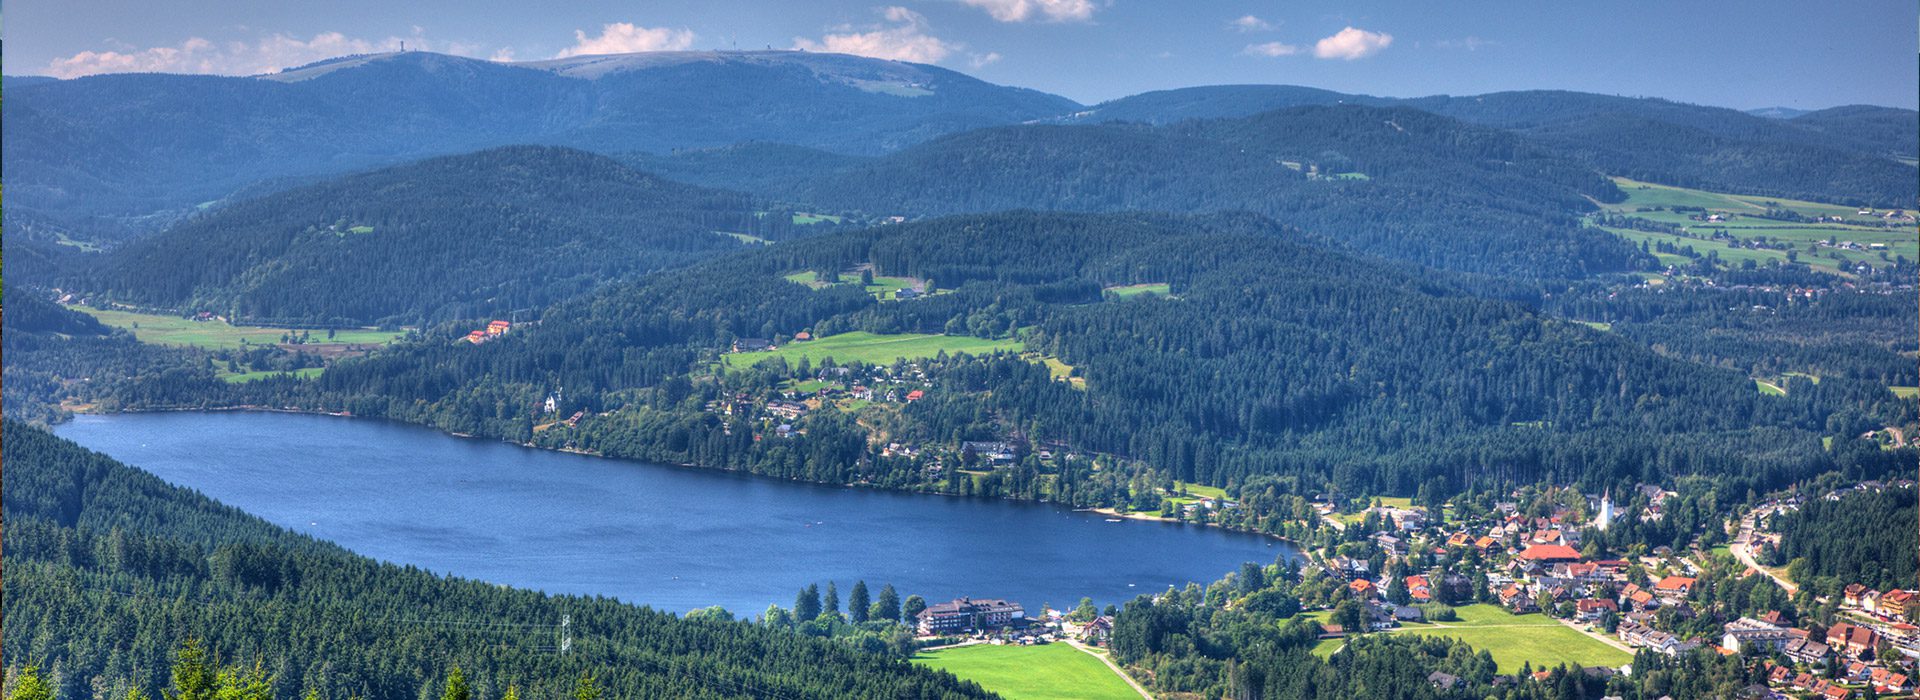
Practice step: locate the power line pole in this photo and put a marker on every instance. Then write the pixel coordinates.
(566, 634)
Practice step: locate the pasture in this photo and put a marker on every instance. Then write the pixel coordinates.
(1128, 291)
(1023, 672)
(1513, 640)
(217, 334)
(874, 348)
(883, 288)
(1743, 221)
(242, 377)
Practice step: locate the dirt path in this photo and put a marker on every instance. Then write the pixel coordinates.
(1108, 660)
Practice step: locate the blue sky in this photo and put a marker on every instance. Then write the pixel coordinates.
(1739, 54)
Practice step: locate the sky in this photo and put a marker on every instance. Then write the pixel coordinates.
(1745, 54)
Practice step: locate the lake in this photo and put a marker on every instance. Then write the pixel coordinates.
(674, 538)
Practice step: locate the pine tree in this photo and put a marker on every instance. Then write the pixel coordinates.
(887, 608)
(806, 606)
(193, 675)
(31, 686)
(586, 689)
(457, 688)
(832, 603)
(858, 606)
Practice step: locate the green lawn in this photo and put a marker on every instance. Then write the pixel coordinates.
(1134, 290)
(1601, 326)
(303, 373)
(873, 348)
(173, 330)
(1544, 646)
(1905, 392)
(1743, 221)
(1019, 673)
(804, 218)
(1769, 388)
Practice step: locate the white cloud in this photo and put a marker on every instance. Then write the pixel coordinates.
(1023, 10)
(1250, 23)
(1271, 49)
(1352, 44)
(625, 37)
(266, 55)
(980, 60)
(905, 38)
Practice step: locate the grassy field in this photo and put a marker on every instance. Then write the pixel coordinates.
(216, 334)
(1511, 639)
(1769, 388)
(883, 287)
(1134, 290)
(1743, 221)
(872, 348)
(804, 218)
(1019, 673)
(236, 378)
(745, 238)
(1905, 392)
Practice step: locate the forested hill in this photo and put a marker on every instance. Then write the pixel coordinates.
(1389, 181)
(95, 545)
(452, 237)
(129, 145)
(1270, 358)
(1843, 154)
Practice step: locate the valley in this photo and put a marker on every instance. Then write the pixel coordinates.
(651, 368)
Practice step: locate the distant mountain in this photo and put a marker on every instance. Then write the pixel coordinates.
(451, 237)
(1390, 181)
(1776, 112)
(1841, 154)
(133, 144)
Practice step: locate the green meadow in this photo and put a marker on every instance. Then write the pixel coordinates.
(217, 334)
(1513, 640)
(1031, 672)
(1134, 290)
(874, 348)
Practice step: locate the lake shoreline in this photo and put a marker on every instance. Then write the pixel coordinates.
(1109, 512)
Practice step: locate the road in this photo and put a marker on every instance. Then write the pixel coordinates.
(1108, 660)
(1602, 638)
(1742, 549)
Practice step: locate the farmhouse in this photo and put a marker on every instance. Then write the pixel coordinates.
(498, 327)
(752, 345)
(963, 614)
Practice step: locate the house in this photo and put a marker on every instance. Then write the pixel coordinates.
(1393, 546)
(1486, 544)
(1408, 613)
(905, 293)
(752, 345)
(1851, 639)
(1517, 599)
(964, 614)
(1889, 681)
(1896, 603)
(1419, 589)
(1363, 589)
(1442, 681)
(1549, 553)
(1746, 632)
(477, 337)
(1805, 650)
(786, 409)
(861, 392)
(1099, 631)
(802, 337)
(1673, 587)
(1639, 635)
(992, 452)
(915, 395)
(1853, 593)
(498, 327)
(1459, 539)
(1592, 609)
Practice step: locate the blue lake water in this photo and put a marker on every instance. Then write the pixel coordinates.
(671, 537)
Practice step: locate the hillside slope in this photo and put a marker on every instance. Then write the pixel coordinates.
(109, 569)
(452, 237)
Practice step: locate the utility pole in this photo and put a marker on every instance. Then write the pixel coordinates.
(566, 634)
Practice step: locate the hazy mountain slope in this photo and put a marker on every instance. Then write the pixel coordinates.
(132, 144)
(1436, 191)
(451, 237)
(1868, 128)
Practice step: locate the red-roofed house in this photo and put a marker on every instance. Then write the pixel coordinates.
(1419, 588)
(1673, 587)
(915, 395)
(1550, 553)
(1363, 589)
